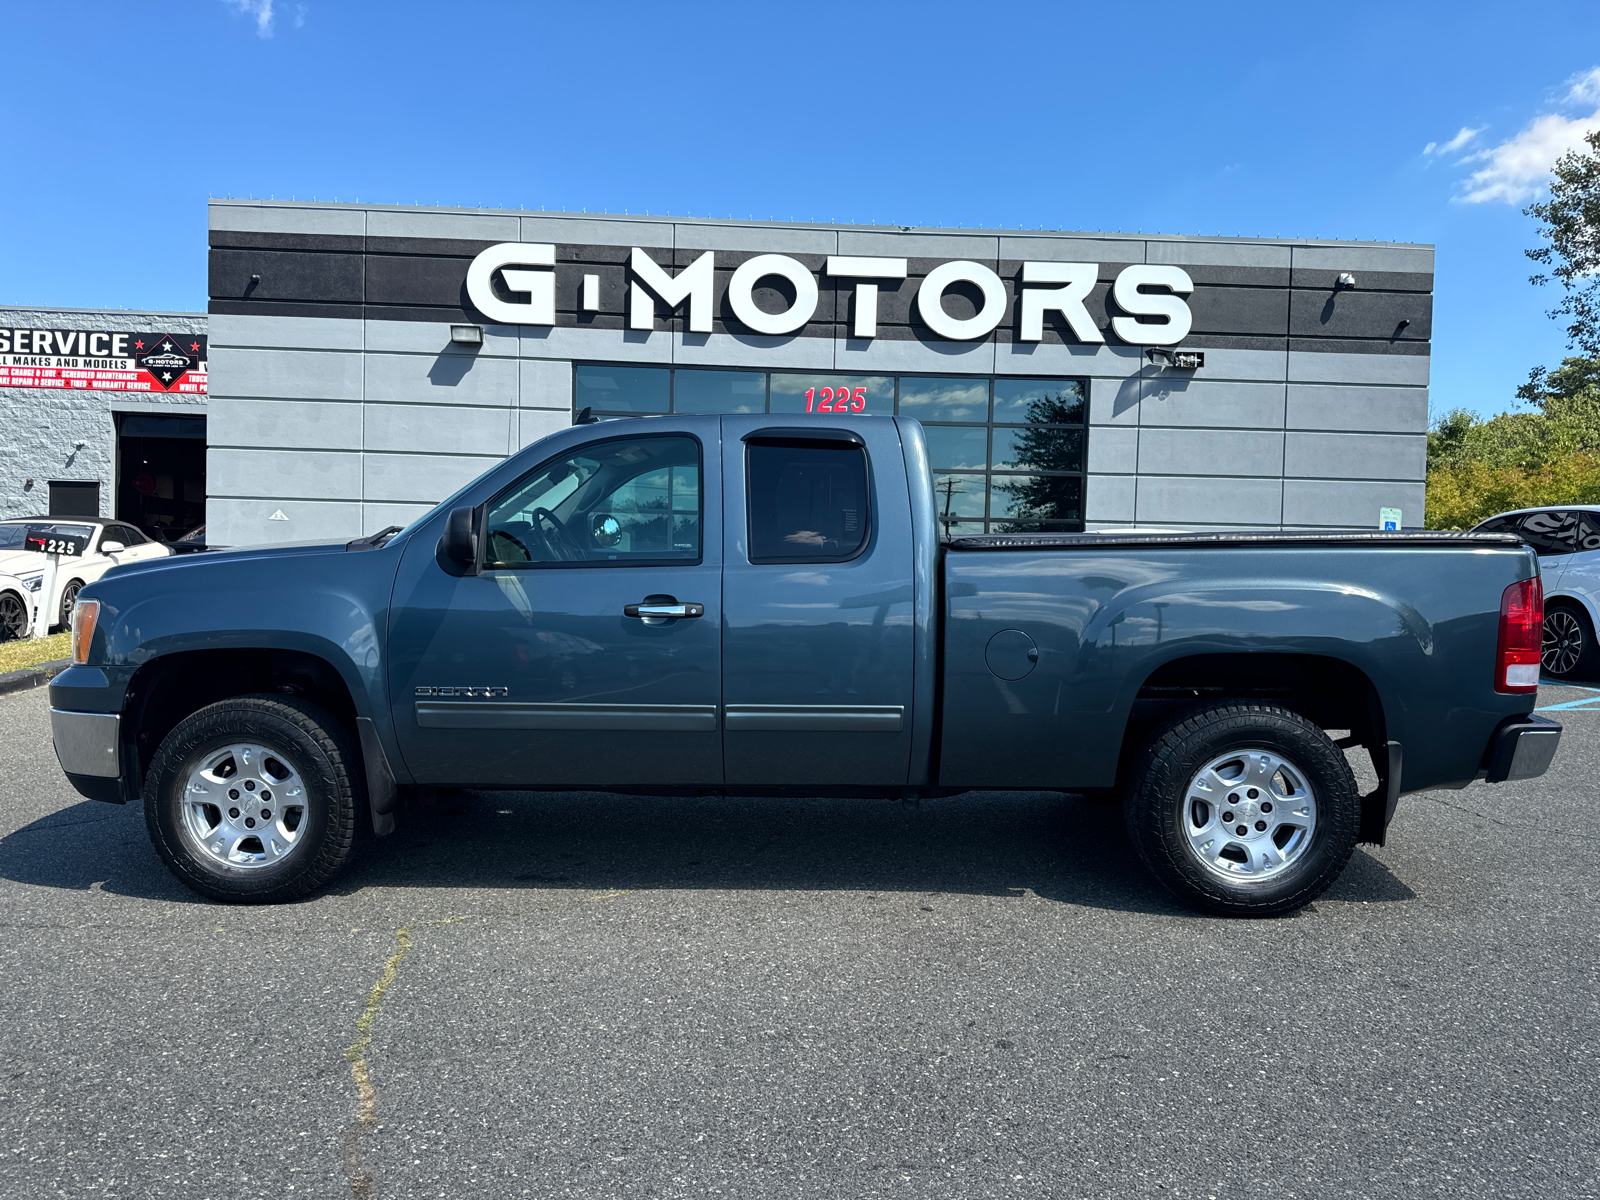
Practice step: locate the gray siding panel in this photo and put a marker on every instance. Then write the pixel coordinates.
(1376, 409)
(1356, 456)
(297, 474)
(439, 430)
(1206, 403)
(1343, 505)
(1210, 452)
(286, 374)
(450, 378)
(291, 424)
(1218, 501)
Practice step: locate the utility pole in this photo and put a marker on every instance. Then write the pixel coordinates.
(950, 491)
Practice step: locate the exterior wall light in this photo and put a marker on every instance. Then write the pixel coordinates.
(1183, 360)
(466, 335)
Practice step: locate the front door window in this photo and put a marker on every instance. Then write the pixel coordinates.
(633, 501)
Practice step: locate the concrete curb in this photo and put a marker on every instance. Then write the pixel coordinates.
(32, 677)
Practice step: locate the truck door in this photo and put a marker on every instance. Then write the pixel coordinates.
(817, 633)
(586, 650)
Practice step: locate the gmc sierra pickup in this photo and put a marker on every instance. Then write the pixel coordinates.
(763, 604)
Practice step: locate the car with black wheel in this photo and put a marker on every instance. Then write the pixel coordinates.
(88, 548)
(16, 609)
(1566, 539)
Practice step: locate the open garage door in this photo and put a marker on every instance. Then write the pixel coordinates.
(161, 473)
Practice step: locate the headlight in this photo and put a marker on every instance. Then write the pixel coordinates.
(31, 582)
(85, 615)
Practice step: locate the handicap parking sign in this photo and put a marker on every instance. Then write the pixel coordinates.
(1388, 518)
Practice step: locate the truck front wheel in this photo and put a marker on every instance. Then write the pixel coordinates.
(1244, 809)
(252, 800)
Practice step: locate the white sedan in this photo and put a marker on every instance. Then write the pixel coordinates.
(105, 544)
(1566, 537)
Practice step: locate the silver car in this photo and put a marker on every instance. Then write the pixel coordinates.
(1567, 540)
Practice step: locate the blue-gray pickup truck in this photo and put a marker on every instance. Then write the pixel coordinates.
(765, 605)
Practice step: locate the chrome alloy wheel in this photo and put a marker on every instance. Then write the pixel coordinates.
(1563, 641)
(1248, 815)
(244, 806)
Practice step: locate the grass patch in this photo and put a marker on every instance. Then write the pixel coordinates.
(30, 653)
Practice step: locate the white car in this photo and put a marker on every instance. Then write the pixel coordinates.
(106, 544)
(16, 608)
(1566, 538)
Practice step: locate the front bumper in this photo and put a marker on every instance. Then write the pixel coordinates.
(1523, 748)
(87, 743)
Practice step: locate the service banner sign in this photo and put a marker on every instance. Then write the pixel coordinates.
(107, 361)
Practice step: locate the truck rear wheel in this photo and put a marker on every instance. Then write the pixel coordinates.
(252, 800)
(1244, 810)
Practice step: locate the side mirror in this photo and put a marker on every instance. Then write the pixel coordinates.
(460, 541)
(112, 547)
(605, 529)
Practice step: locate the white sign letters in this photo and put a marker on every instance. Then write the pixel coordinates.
(1140, 291)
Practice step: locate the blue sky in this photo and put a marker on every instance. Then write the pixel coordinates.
(1275, 119)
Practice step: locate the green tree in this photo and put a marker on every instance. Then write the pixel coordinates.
(1569, 222)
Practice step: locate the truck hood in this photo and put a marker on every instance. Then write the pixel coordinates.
(218, 558)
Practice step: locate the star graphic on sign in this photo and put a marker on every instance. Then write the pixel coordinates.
(138, 345)
(167, 375)
(167, 347)
(195, 347)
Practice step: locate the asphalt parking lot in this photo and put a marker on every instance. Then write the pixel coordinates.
(582, 995)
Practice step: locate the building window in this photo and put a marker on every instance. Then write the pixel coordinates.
(74, 498)
(1008, 454)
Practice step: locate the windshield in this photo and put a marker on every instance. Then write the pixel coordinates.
(447, 502)
(12, 532)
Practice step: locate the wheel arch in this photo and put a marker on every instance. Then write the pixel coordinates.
(165, 690)
(1331, 692)
(1580, 602)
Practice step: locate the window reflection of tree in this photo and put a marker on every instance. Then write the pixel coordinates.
(1040, 447)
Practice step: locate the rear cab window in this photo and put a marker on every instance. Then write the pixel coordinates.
(809, 497)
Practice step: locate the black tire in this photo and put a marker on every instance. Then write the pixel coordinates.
(1159, 802)
(1569, 650)
(69, 597)
(322, 754)
(14, 617)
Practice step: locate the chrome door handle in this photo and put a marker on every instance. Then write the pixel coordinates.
(663, 611)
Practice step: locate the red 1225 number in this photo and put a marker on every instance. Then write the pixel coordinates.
(841, 400)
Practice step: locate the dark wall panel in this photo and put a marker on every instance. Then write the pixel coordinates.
(287, 275)
(1361, 314)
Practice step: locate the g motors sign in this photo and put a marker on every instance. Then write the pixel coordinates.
(103, 360)
(1149, 298)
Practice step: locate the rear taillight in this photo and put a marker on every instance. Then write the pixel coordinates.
(1521, 637)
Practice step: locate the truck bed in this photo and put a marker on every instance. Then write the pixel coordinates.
(1231, 539)
(1131, 622)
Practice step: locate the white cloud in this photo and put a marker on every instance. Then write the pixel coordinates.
(1516, 169)
(261, 10)
(1584, 88)
(1455, 143)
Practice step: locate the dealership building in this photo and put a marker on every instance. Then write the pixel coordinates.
(359, 363)
(102, 413)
